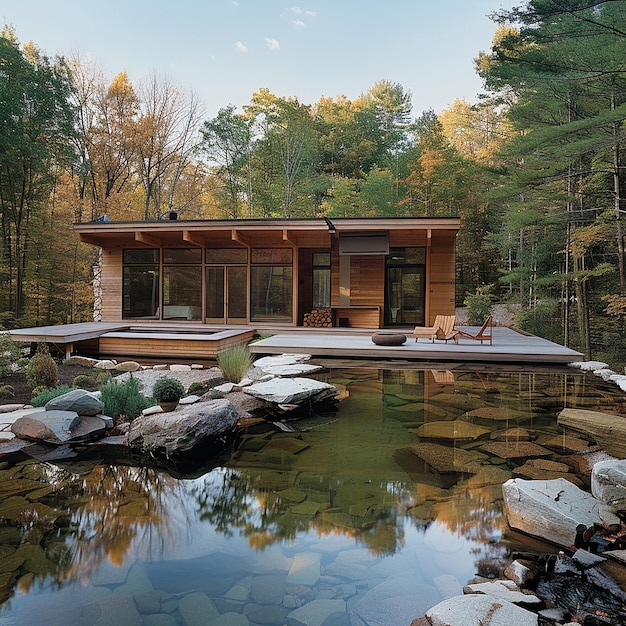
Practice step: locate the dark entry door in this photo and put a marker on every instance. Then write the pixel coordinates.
(405, 295)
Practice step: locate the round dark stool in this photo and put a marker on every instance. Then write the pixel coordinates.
(388, 339)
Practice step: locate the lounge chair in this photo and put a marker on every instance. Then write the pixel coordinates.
(442, 328)
(485, 333)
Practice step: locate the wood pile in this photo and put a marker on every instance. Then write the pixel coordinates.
(318, 318)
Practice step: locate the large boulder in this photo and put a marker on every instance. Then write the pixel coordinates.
(551, 509)
(479, 609)
(292, 391)
(178, 432)
(78, 400)
(608, 483)
(53, 427)
(607, 430)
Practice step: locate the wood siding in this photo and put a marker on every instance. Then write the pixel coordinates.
(440, 281)
(111, 282)
(164, 345)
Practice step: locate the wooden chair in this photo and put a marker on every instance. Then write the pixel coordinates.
(442, 328)
(485, 333)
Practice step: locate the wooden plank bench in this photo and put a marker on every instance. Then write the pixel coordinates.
(357, 316)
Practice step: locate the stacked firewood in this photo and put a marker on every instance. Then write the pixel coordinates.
(319, 318)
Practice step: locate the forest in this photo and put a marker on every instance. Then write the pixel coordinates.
(535, 169)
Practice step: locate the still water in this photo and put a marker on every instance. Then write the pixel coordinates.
(367, 515)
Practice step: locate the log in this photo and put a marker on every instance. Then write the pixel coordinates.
(608, 431)
(318, 318)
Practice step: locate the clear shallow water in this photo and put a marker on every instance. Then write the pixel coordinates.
(333, 516)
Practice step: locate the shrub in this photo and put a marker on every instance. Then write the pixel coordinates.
(123, 398)
(6, 391)
(234, 363)
(9, 353)
(43, 395)
(84, 381)
(42, 371)
(479, 305)
(197, 387)
(167, 389)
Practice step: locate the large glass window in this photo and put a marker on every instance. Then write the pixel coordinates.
(271, 284)
(182, 284)
(140, 284)
(219, 256)
(321, 280)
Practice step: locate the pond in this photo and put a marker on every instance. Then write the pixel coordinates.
(368, 514)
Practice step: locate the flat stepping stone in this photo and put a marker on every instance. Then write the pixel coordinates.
(9, 408)
(496, 414)
(305, 569)
(292, 390)
(447, 459)
(515, 449)
(513, 434)
(295, 369)
(289, 444)
(503, 590)
(457, 430)
(281, 359)
(567, 444)
(480, 609)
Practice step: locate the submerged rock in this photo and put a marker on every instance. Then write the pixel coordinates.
(456, 430)
(445, 459)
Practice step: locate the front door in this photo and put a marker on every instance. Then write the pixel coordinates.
(226, 295)
(405, 294)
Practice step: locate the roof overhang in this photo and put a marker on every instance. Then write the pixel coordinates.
(247, 232)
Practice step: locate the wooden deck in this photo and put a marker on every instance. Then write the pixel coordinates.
(508, 346)
(124, 339)
(198, 341)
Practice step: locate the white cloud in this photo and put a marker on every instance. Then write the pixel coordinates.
(298, 13)
(241, 47)
(272, 44)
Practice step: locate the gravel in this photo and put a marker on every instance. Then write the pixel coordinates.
(150, 376)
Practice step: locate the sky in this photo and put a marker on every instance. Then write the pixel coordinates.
(223, 51)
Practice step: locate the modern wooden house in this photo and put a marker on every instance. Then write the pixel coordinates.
(361, 272)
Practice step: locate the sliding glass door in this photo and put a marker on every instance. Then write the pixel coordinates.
(226, 294)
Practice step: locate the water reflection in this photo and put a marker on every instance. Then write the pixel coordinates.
(393, 483)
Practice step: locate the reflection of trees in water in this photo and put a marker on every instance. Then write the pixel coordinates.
(78, 521)
(225, 500)
(119, 507)
(241, 499)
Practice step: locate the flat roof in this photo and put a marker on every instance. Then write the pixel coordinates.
(102, 233)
